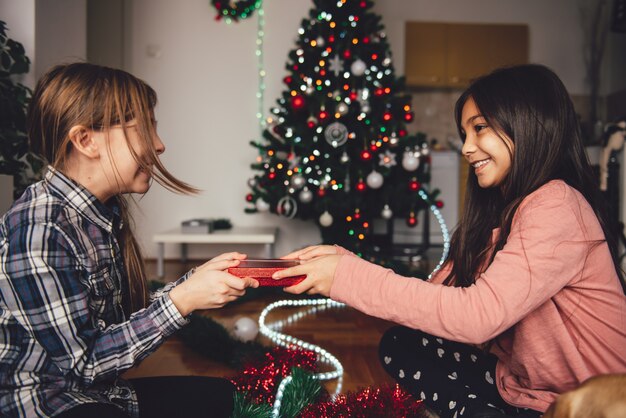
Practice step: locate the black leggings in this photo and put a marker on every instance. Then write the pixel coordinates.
(454, 379)
(169, 397)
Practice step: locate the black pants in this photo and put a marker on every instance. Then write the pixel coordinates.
(453, 379)
(169, 397)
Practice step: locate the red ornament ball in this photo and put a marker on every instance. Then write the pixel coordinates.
(387, 116)
(347, 54)
(402, 132)
(271, 175)
(249, 197)
(360, 186)
(411, 220)
(439, 204)
(287, 80)
(297, 102)
(408, 116)
(322, 115)
(366, 155)
(414, 185)
(321, 192)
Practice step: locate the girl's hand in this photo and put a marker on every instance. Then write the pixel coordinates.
(319, 271)
(312, 252)
(210, 287)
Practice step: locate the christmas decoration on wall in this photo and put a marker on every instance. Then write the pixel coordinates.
(233, 11)
(343, 115)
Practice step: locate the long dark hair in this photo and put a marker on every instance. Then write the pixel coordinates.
(529, 105)
(100, 97)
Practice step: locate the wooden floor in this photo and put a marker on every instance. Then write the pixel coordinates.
(346, 333)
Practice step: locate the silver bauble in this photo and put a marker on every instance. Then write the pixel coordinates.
(409, 161)
(245, 329)
(297, 181)
(358, 68)
(306, 195)
(386, 213)
(326, 219)
(344, 158)
(261, 205)
(374, 180)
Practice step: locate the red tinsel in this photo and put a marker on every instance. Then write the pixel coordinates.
(383, 402)
(260, 381)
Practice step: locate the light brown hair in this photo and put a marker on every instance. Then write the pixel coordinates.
(98, 98)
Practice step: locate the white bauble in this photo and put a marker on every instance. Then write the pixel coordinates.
(342, 108)
(374, 180)
(409, 161)
(358, 68)
(344, 158)
(386, 213)
(326, 219)
(245, 329)
(252, 182)
(297, 181)
(306, 195)
(261, 205)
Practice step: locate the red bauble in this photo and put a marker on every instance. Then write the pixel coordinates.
(322, 115)
(353, 96)
(363, 4)
(331, 38)
(379, 92)
(402, 132)
(347, 54)
(408, 116)
(297, 102)
(366, 155)
(287, 80)
(322, 72)
(360, 186)
(271, 175)
(366, 40)
(439, 204)
(321, 192)
(387, 116)
(411, 220)
(249, 197)
(414, 185)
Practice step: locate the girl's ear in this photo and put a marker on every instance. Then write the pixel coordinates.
(83, 141)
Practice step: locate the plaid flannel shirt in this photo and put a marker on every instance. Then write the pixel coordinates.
(64, 336)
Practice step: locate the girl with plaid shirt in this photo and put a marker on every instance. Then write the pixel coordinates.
(75, 312)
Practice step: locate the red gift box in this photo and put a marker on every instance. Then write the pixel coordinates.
(262, 271)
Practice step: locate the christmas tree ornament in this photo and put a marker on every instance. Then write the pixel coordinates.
(297, 181)
(245, 329)
(320, 41)
(336, 134)
(412, 219)
(287, 207)
(306, 195)
(342, 108)
(409, 161)
(252, 182)
(249, 197)
(344, 158)
(326, 219)
(336, 65)
(386, 213)
(387, 159)
(358, 68)
(374, 180)
(414, 185)
(360, 186)
(261, 205)
(298, 102)
(366, 155)
(425, 149)
(311, 122)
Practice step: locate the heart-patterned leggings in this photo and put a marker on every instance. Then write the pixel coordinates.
(453, 379)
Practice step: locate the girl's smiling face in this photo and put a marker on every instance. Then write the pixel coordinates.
(487, 152)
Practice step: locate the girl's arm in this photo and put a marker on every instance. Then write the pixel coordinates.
(545, 251)
(46, 290)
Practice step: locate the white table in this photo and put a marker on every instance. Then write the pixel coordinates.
(237, 235)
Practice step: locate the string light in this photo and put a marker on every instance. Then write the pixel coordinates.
(261, 67)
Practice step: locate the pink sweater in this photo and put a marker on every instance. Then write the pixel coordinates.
(551, 299)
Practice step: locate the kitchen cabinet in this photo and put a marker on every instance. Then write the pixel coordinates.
(453, 54)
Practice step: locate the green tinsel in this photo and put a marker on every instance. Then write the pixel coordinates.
(303, 390)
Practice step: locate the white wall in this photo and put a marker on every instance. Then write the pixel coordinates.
(19, 15)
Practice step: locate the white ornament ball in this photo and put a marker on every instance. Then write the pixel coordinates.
(297, 181)
(326, 219)
(252, 182)
(344, 158)
(386, 213)
(342, 108)
(306, 195)
(358, 68)
(410, 162)
(261, 205)
(245, 329)
(374, 179)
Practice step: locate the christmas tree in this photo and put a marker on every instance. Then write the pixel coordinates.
(336, 149)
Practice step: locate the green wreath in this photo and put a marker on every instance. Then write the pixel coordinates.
(242, 9)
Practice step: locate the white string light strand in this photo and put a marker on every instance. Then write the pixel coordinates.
(285, 340)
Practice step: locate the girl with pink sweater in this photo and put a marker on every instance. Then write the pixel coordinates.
(530, 302)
